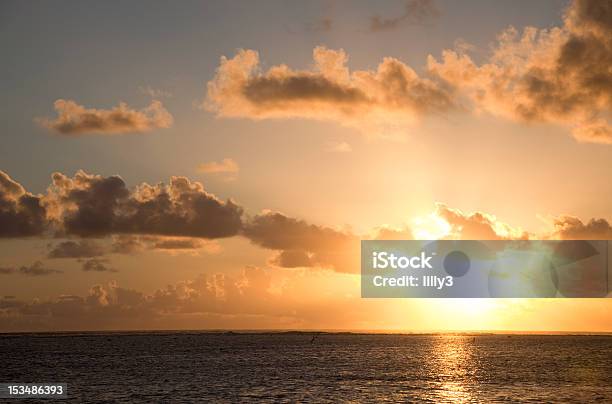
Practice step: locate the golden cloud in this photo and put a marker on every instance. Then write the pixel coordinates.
(393, 95)
(561, 75)
(74, 119)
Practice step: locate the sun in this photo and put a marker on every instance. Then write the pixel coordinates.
(430, 227)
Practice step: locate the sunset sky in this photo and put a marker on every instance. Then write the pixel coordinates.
(209, 164)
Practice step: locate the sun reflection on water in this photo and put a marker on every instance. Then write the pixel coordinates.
(452, 368)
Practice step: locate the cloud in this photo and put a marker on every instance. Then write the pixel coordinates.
(476, 225)
(415, 12)
(339, 147)
(559, 75)
(301, 243)
(37, 269)
(21, 213)
(76, 249)
(130, 244)
(227, 167)
(111, 307)
(95, 206)
(183, 217)
(377, 102)
(126, 244)
(293, 259)
(183, 243)
(97, 265)
(154, 93)
(572, 228)
(74, 119)
(254, 298)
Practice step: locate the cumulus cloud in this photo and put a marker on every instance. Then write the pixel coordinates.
(373, 101)
(293, 259)
(560, 75)
(253, 298)
(74, 119)
(97, 265)
(302, 244)
(477, 225)
(572, 228)
(76, 249)
(415, 12)
(21, 213)
(37, 269)
(111, 306)
(91, 205)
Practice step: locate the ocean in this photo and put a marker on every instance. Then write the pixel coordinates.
(331, 367)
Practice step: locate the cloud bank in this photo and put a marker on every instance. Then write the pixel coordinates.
(95, 206)
(76, 249)
(37, 268)
(183, 216)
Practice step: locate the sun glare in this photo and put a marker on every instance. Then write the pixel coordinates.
(430, 227)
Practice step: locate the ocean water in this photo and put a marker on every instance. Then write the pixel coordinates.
(290, 367)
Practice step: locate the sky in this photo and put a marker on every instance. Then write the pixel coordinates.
(212, 164)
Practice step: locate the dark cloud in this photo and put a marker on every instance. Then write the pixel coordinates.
(558, 75)
(38, 269)
(293, 259)
(76, 249)
(74, 119)
(89, 205)
(572, 228)
(129, 244)
(178, 244)
(21, 213)
(415, 12)
(301, 243)
(97, 265)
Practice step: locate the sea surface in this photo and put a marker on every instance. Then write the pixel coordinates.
(290, 367)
